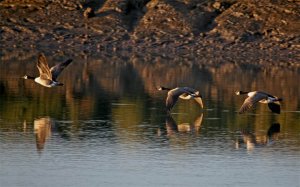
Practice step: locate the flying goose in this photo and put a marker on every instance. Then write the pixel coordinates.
(262, 97)
(185, 93)
(48, 76)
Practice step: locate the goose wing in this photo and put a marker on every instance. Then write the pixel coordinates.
(43, 67)
(173, 96)
(189, 93)
(194, 93)
(199, 100)
(251, 101)
(191, 90)
(57, 69)
(274, 107)
(171, 101)
(185, 96)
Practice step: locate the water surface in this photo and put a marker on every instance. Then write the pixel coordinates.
(108, 126)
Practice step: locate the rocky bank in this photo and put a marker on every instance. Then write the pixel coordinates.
(261, 31)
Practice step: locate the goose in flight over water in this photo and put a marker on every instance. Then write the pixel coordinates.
(262, 97)
(185, 93)
(48, 76)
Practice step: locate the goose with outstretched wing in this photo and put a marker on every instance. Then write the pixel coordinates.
(48, 77)
(185, 93)
(261, 97)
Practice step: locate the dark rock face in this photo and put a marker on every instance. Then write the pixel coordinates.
(259, 19)
(244, 26)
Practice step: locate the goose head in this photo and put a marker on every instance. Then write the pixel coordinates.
(27, 77)
(163, 88)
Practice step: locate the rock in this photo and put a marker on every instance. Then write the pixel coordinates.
(217, 5)
(89, 13)
(187, 25)
(245, 17)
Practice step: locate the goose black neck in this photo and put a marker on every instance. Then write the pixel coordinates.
(164, 88)
(30, 77)
(242, 92)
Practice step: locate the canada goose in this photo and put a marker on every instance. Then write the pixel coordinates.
(48, 76)
(262, 97)
(182, 93)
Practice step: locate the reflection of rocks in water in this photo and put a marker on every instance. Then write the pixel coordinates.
(250, 140)
(42, 130)
(132, 75)
(2, 88)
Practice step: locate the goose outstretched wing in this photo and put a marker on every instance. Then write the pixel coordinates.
(194, 93)
(173, 96)
(199, 100)
(43, 67)
(171, 100)
(184, 93)
(191, 91)
(274, 107)
(251, 101)
(57, 69)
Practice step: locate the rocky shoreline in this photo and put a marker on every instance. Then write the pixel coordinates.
(260, 32)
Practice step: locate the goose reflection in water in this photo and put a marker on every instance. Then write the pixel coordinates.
(172, 127)
(251, 141)
(42, 130)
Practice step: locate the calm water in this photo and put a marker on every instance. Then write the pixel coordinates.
(107, 126)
